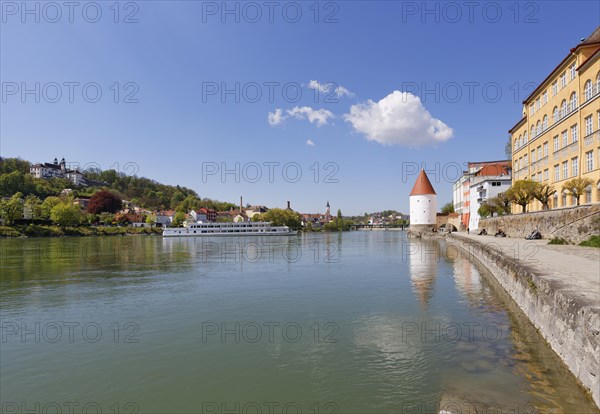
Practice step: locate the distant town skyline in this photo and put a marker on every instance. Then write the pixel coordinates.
(345, 103)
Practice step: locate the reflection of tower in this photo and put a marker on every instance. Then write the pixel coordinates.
(423, 205)
(328, 210)
(423, 265)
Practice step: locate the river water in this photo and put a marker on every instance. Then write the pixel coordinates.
(359, 322)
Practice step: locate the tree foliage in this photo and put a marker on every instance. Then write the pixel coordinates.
(65, 214)
(577, 187)
(448, 207)
(281, 217)
(522, 192)
(543, 193)
(11, 209)
(104, 202)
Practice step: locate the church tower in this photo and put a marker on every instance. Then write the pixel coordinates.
(423, 205)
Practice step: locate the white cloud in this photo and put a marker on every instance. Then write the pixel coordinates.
(315, 116)
(310, 143)
(339, 90)
(277, 117)
(398, 119)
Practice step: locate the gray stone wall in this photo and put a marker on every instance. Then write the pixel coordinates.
(574, 224)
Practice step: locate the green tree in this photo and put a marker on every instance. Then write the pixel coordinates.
(150, 219)
(32, 207)
(521, 193)
(11, 209)
(48, 204)
(543, 193)
(577, 187)
(281, 217)
(501, 203)
(448, 207)
(487, 209)
(178, 219)
(65, 214)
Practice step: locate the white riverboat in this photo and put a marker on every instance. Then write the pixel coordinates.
(244, 228)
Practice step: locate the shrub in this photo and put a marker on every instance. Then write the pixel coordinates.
(557, 240)
(593, 241)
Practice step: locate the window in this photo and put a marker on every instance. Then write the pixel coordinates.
(516, 144)
(563, 108)
(589, 160)
(588, 194)
(556, 173)
(525, 138)
(555, 115)
(554, 88)
(546, 174)
(587, 90)
(533, 177)
(545, 97)
(531, 110)
(525, 160)
(533, 156)
(546, 149)
(539, 177)
(537, 104)
(545, 123)
(574, 133)
(575, 166)
(563, 80)
(589, 125)
(532, 131)
(573, 102)
(572, 71)
(565, 138)
(565, 166)
(555, 139)
(539, 152)
(564, 199)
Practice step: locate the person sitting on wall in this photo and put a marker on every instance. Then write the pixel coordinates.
(482, 232)
(535, 235)
(500, 233)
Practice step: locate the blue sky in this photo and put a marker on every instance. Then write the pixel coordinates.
(354, 107)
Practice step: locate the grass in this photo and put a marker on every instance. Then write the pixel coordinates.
(593, 241)
(557, 240)
(34, 230)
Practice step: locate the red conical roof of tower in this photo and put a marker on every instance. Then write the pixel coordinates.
(422, 185)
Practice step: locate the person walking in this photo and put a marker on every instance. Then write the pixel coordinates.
(468, 230)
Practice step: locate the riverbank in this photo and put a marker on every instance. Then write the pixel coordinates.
(557, 287)
(27, 231)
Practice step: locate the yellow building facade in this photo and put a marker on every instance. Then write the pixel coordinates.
(558, 137)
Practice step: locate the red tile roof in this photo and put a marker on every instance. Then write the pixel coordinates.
(422, 185)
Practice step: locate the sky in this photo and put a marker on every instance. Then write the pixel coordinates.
(304, 101)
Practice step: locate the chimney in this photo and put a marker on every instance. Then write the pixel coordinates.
(289, 208)
(240, 204)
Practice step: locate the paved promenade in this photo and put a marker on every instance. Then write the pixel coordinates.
(572, 270)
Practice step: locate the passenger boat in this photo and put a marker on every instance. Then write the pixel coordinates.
(228, 229)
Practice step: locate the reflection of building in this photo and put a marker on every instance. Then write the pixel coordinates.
(558, 137)
(423, 206)
(423, 264)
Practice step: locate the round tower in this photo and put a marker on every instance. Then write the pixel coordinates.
(423, 205)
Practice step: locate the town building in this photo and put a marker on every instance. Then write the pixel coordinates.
(558, 137)
(164, 218)
(55, 169)
(423, 204)
(481, 181)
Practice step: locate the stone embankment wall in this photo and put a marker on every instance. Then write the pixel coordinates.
(571, 328)
(574, 224)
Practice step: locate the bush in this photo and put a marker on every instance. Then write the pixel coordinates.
(558, 240)
(6, 231)
(593, 241)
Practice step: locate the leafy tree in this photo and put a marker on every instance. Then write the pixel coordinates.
(11, 209)
(47, 206)
(521, 193)
(150, 219)
(32, 207)
(448, 207)
(543, 193)
(178, 219)
(577, 187)
(487, 209)
(502, 203)
(281, 217)
(65, 214)
(104, 202)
